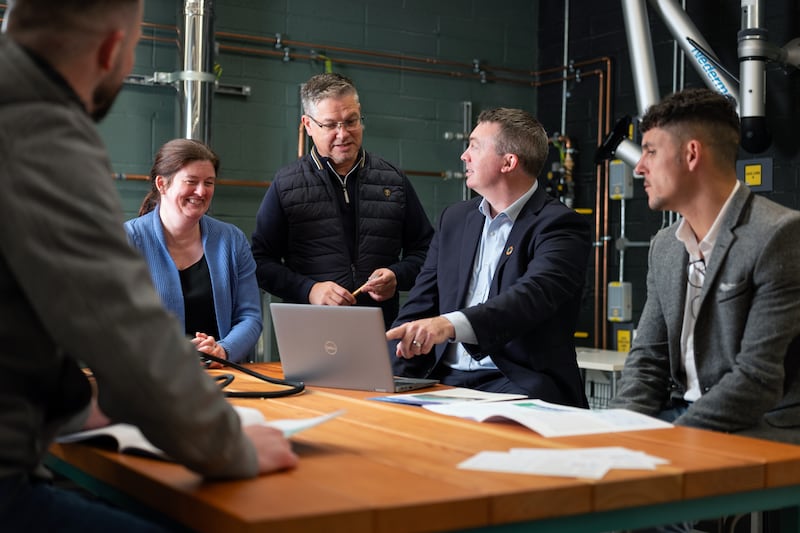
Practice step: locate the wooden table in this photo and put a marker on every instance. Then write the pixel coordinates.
(390, 468)
(599, 359)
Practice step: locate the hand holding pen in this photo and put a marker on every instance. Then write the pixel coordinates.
(381, 285)
(361, 288)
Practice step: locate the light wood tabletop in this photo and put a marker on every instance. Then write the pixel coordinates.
(598, 359)
(393, 468)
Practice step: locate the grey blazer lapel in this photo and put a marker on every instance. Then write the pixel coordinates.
(725, 240)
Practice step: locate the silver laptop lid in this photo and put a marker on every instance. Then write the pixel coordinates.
(330, 346)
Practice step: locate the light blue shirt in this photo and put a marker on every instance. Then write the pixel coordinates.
(491, 248)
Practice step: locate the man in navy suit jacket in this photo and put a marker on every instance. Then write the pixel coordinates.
(495, 305)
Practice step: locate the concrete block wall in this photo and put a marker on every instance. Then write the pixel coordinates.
(406, 112)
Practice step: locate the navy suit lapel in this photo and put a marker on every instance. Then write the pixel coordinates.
(518, 230)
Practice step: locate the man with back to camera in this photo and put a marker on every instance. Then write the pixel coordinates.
(72, 289)
(717, 343)
(495, 305)
(339, 218)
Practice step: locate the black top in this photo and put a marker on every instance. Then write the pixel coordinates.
(347, 203)
(198, 300)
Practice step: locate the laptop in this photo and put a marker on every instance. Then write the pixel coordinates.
(337, 346)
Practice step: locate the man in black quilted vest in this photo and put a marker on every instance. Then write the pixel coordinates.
(339, 226)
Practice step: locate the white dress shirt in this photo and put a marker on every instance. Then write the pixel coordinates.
(699, 257)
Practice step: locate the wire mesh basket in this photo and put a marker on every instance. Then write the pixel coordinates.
(599, 389)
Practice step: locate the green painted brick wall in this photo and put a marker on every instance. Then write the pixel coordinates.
(407, 113)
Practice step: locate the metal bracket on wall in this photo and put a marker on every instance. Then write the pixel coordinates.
(166, 79)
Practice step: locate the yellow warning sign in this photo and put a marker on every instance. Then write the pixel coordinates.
(623, 340)
(752, 175)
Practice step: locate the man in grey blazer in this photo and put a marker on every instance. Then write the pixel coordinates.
(717, 343)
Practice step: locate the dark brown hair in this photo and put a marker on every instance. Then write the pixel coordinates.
(520, 134)
(698, 113)
(55, 29)
(172, 157)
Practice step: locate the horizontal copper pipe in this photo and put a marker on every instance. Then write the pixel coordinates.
(164, 27)
(233, 183)
(159, 39)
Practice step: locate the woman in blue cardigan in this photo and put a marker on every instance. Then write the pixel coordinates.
(202, 267)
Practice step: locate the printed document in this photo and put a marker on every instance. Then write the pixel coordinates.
(552, 420)
(126, 438)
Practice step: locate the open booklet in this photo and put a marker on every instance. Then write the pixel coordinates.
(552, 420)
(448, 396)
(126, 438)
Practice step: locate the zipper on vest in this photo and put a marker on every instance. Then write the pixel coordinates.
(353, 273)
(343, 183)
(343, 180)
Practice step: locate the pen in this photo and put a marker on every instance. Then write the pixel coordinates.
(358, 290)
(361, 288)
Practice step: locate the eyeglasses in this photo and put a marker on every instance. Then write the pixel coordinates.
(696, 276)
(696, 272)
(349, 124)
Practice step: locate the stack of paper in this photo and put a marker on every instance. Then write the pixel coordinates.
(551, 420)
(591, 463)
(448, 396)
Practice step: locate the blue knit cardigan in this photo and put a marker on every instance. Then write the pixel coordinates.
(233, 281)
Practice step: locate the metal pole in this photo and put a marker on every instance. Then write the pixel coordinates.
(566, 71)
(640, 46)
(196, 81)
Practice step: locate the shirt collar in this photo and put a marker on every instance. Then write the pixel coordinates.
(54, 76)
(323, 162)
(703, 249)
(512, 211)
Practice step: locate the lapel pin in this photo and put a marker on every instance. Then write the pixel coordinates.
(509, 250)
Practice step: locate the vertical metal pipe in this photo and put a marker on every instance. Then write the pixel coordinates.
(640, 46)
(751, 14)
(195, 82)
(623, 238)
(9, 6)
(566, 72)
(754, 52)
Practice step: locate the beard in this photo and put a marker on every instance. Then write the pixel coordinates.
(103, 98)
(106, 92)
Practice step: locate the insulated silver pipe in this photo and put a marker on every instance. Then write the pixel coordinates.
(754, 51)
(688, 37)
(196, 81)
(640, 47)
(629, 152)
(9, 6)
(566, 71)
